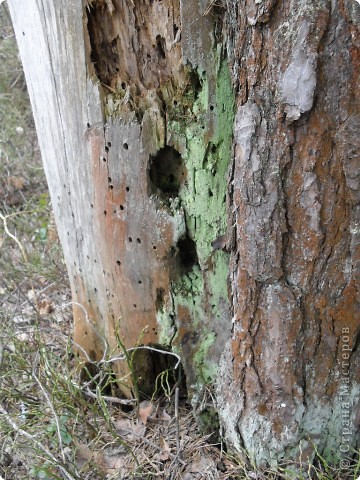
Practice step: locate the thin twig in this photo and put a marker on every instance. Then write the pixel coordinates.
(165, 352)
(119, 357)
(47, 398)
(177, 420)
(93, 328)
(212, 4)
(177, 426)
(22, 250)
(16, 240)
(121, 401)
(41, 447)
(153, 445)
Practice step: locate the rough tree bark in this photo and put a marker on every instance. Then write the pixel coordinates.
(202, 164)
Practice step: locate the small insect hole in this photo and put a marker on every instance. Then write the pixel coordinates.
(130, 239)
(127, 189)
(88, 125)
(138, 240)
(106, 149)
(118, 262)
(104, 159)
(121, 207)
(126, 146)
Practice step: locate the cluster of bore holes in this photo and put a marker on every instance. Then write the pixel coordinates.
(107, 149)
(167, 173)
(138, 240)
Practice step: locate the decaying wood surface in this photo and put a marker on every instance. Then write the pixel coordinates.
(113, 114)
(135, 123)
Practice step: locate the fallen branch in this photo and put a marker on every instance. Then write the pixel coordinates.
(121, 401)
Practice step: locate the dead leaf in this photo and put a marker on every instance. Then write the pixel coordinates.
(165, 416)
(31, 294)
(17, 182)
(130, 430)
(85, 454)
(115, 460)
(145, 410)
(165, 454)
(204, 465)
(45, 307)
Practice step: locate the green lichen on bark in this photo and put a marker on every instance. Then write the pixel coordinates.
(204, 138)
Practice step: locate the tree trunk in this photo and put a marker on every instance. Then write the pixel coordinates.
(290, 375)
(225, 234)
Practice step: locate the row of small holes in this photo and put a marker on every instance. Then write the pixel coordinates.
(211, 106)
(138, 240)
(105, 212)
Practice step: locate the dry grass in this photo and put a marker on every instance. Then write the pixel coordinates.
(53, 424)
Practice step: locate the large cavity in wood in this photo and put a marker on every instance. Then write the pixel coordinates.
(167, 172)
